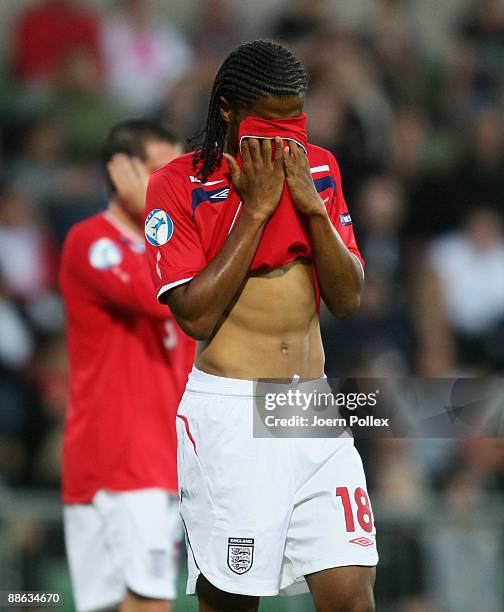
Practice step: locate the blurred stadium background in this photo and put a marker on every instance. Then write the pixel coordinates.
(409, 95)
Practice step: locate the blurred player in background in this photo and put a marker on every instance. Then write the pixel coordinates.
(242, 249)
(128, 365)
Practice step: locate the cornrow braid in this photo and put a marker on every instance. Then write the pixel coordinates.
(252, 71)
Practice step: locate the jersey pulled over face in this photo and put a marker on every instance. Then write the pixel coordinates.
(128, 366)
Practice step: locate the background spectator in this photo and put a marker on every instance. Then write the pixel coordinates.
(45, 33)
(143, 57)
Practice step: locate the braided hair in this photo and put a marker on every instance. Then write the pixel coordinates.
(252, 71)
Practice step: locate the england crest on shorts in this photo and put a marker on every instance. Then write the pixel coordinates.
(240, 554)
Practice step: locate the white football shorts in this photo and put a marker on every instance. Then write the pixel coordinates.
(259, 513)
(123, 541)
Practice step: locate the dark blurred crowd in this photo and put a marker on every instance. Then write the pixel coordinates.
(419, 137)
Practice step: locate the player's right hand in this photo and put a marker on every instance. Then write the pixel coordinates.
(261, 180)
(130, 177)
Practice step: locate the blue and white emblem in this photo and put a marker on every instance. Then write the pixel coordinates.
(104, 254)
(220, 195)
(158, 227)
(345, 219)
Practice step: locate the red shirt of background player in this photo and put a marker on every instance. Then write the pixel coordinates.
(128, 361)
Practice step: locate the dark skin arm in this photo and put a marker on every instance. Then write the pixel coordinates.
(199, 305)
(339, 273)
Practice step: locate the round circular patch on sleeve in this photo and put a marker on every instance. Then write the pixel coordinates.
(104, 254)
(158, 227)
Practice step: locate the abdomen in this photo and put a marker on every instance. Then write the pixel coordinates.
(271, 331)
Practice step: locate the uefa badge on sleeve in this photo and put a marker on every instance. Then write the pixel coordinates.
(158, 227)
(240, 554)
(104, 254)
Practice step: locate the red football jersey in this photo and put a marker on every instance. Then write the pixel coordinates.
(184, 225)
(129, 362)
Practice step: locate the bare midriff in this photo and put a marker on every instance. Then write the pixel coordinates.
(271, 331)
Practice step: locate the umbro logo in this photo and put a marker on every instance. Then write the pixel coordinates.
(221, 195)
(362, 541)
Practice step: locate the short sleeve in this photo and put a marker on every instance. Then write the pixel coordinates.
(339, 215)
(173, 245)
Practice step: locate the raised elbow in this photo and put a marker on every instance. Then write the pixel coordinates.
(197, 325)
(346, 308)
(200, 329)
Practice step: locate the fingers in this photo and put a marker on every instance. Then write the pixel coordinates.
(266, 151)
(255, 150)
(139, 168)
(112, 170)
(278, 149)
(121, 171)
(115, 166)
(288, 159)
(294, 158)
(127, 168)
(300, 156)
(245, 151)
(234, 168)
(129, 176)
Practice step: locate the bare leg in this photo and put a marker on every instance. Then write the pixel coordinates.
(212, 599)
(343, 589)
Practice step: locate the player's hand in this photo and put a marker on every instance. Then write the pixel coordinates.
(130, 177)
(300, 182)
(261, 180)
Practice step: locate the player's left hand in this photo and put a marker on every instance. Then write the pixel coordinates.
(130, 177)
(300, 182)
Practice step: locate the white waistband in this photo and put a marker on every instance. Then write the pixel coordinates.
(201, 382)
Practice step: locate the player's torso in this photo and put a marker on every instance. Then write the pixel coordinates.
(272, 329)
(125, 371)
(114, 353)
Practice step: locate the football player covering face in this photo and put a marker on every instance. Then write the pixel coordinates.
(261, 515)
(128, 367)
(130, 176)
